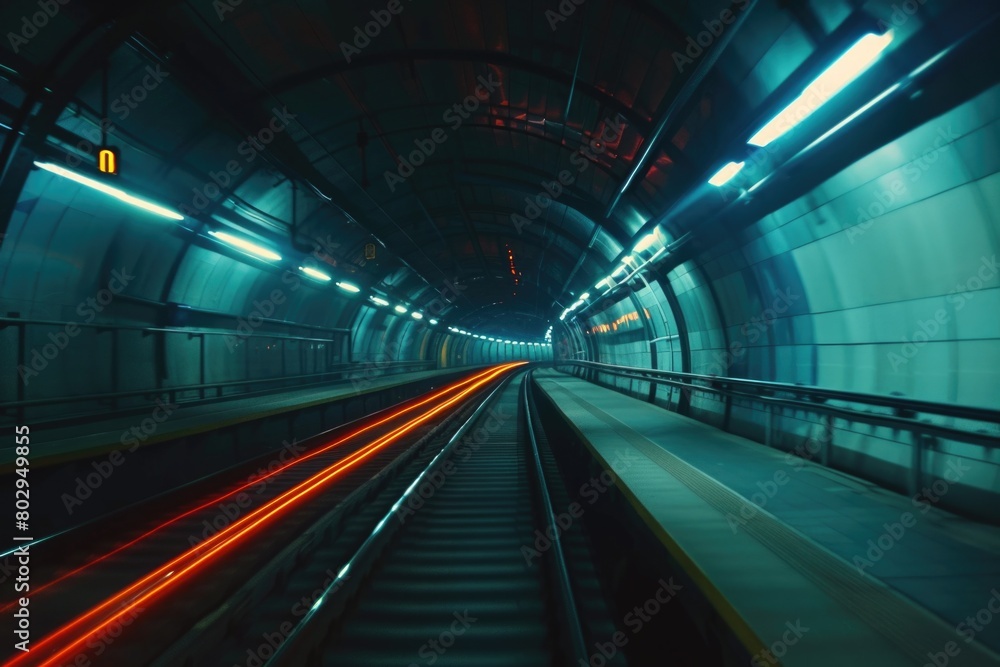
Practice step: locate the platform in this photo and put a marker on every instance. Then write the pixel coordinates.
(775, 542)
(69, 442)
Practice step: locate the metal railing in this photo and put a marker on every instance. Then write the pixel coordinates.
(569, 620)
(299, 647)
(905, 414)
(328, 354)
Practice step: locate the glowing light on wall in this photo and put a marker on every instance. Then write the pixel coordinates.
(118, 194)
(247, 246)
(834, 79)
(726, 174)
(348, 287)
(313, 273)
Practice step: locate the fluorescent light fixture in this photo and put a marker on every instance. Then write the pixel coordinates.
(835, 78)
(120, 195)
(348, 287)
(378, 300)
(400, 309)
(432, 321)
(584, 296)
(313, 273)
(725, 175)
(417, 316)
(492, 340)
(620, 270)
(506, 342)
(645, 243)
(576, 305)
(247, 246)
(606, 281)
(563, 316)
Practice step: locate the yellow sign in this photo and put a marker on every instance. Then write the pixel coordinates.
(107, 161)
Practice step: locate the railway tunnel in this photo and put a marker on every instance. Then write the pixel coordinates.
(512, 332)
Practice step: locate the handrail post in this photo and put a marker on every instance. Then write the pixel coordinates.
(246, 356)
(202, 370)
(920, 445)
(768, 425)
(826, 446)
(115, 364)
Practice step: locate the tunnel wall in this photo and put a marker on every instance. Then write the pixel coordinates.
(106, 296)
(65, 243)
(881, 280)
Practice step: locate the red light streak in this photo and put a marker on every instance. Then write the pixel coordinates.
(255, 482)
(156, 582)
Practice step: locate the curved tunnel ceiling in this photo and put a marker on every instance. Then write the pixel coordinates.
(535, 98)
(441, 135)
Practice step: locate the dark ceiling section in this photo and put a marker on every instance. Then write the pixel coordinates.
(455, 135)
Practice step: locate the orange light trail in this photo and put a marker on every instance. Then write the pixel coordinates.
(156, 582)
(255, 482)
